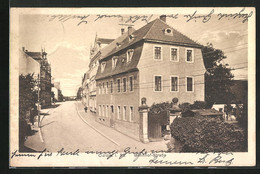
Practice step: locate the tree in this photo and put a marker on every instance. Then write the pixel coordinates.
(27, 100)
(79, 93)
(218, 78)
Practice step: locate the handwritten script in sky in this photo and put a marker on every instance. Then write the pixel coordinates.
(195, 16)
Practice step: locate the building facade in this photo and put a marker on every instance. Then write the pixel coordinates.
(44, 73)
(155, 62)
(28, 65)
(100, 49)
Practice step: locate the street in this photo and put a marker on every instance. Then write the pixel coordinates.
(69, 127)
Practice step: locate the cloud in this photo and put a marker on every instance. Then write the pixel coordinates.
(82, 50)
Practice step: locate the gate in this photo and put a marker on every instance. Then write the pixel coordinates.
(156, 121)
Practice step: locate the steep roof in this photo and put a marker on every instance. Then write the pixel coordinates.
(151, 32)
(34, 55)
(107, 49)
(154, 31)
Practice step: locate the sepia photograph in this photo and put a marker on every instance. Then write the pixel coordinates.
(120, 87)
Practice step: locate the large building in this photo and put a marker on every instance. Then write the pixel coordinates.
(100, 49)
(37, 63)
(156, 62)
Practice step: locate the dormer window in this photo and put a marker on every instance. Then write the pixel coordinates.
(114, 61)
(118, 44)
(131, 37)
(168, 31)
(129, 55)
(103, 65)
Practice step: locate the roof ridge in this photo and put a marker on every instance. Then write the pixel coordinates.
(154, 21)
(179, 32)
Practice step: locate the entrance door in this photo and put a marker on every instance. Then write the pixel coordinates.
(112, 116)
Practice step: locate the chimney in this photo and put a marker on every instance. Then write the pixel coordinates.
(163, 18)
(122, 31)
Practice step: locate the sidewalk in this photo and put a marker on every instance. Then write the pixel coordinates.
(122, 140)
(34, 143)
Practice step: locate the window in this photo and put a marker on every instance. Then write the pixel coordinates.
(114, 61)
(103, 88)
(118, 85)
(174, 83)
(168, 31)
(124, 113)
(124, 84)
(157, 53)
(131, 85)
(189, 55)
(174, 54)
(104, 111)
(189, 84)
(158, 83)
(112, 109)
(118, 112)
(99, 110)
(107, 87)
(103, 65)
(131, 112)
(129, 55)
(100, 89)
(111, 87)
(107, 111)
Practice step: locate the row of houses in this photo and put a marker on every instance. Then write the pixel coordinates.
(37, 63)
(152, 64)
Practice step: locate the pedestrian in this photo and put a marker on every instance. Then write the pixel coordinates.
(86, 109)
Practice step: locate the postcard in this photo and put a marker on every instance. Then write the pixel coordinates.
(132, 87)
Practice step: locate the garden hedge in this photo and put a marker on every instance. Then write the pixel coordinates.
(201, 134)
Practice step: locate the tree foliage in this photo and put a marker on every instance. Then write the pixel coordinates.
(218, 78)
(27, 100)
(27, 94)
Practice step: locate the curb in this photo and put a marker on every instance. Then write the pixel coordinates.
(95, 128)
(40, 131)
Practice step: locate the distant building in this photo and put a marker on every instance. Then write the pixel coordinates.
(58, 97)
(156, 62)
(30, 65)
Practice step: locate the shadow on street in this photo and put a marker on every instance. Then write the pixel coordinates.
(47, 124)
(52, 106)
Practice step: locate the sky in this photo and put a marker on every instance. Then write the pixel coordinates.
(68, 43)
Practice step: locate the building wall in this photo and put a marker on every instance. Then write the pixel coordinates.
(28, 65)
(92, 86)
(148, 68)
(131, 128)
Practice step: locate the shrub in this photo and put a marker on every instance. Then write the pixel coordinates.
(200, 134)
(199, 105)
(159, 107)
(184, 107)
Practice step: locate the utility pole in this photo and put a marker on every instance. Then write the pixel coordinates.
(38, 107)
